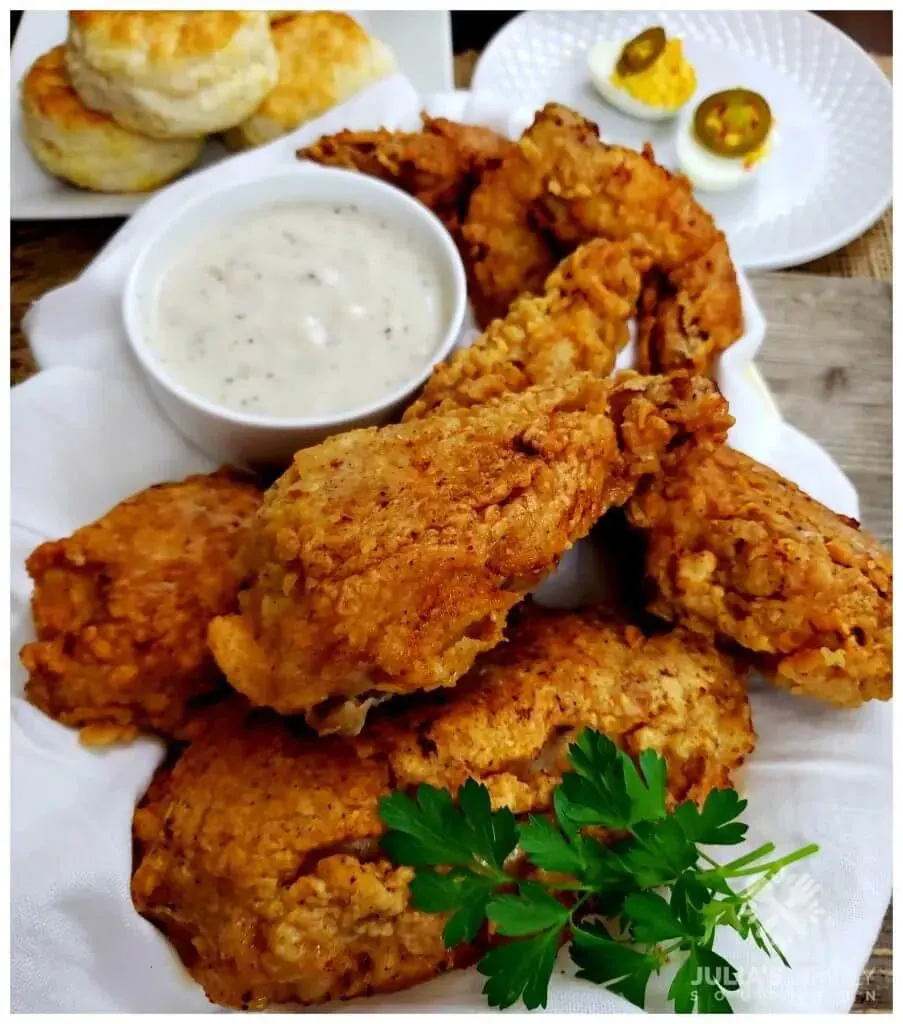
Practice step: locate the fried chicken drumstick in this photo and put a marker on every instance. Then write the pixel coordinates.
(257, 854)
(578, 323)
(385, 560)
(734, 550)
(121, 608)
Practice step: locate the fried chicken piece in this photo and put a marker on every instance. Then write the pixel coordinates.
(735, 550)
(439, 165)
(257, 852)
(121, 608)
(562, 183)
(385, 560)
(507, 255)
(578, 323)
(689, 317)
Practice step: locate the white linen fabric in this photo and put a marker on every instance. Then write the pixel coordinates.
(86, 435)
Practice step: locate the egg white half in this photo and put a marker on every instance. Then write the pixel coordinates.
(707, 171)
(602, 60)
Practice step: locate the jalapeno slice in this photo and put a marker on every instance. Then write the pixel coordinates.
(642, 51)
(734, 122)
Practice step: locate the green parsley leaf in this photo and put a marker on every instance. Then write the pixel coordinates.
(467, 920)
(718, 978)
(624, 970)
(702, 983)
(521, 970)
(532, 910)
(689, 897)
(438, 893)
(596, 790)
(650, 919)
(425, 832)
(761, 937)
(658, 853)
(646, 790)
(605, 871)
(548, 847)
(684, 989)
(606, 787)
(461, 891)
(493, 834)
(715, 824)
(431, 831)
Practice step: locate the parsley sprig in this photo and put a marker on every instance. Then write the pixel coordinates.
(628, 906)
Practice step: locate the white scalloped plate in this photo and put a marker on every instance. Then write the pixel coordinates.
(829, 177)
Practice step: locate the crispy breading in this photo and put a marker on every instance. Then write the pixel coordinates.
(257, 853)
(578, 323)
(561, 186)
(439, 165)
(121, 607)
(385, 560)
(735, 550)
(507, 255)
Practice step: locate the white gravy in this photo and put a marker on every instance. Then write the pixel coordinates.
(299, 310)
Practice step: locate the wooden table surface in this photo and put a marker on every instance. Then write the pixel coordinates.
(827, 359)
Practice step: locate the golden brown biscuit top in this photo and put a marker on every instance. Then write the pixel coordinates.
(163, 35)
(49, 92)
(311, 45)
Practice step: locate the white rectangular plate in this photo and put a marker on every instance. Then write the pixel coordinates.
(421, 40)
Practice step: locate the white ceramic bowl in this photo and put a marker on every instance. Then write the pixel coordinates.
(247, 440)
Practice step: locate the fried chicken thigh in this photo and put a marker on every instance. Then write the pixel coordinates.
(736, 551)
(257, 852)
(121, 608)
(385, 560)
(578, 323)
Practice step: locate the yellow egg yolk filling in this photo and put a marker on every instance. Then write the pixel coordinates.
(733, 137)
(668, 82)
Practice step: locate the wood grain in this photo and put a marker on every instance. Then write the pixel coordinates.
(45, 255)
(828, 360)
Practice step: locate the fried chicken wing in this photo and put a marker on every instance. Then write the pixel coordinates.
(561, 186)
(439, 165)
(578, 323)
(121, 608)
(257, 852)
(385, 560)
(735, 550)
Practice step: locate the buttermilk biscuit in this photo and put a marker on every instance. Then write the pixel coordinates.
(279, 16)
(172, 74)
(324, 57)
(88, 148)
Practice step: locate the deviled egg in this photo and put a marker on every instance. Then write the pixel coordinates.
(723, 143)
(648, 77)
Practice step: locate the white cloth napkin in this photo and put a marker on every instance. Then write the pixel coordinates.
(86, 435)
